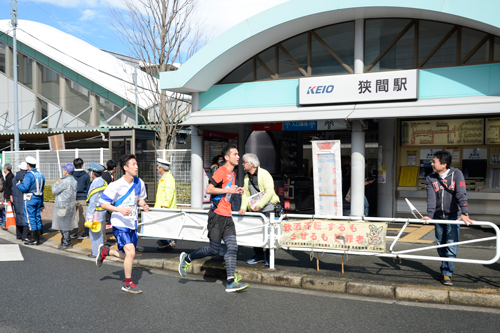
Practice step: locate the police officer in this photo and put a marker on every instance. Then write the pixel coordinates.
(32, 187)
(166, 196)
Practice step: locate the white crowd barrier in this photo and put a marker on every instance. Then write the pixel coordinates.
(256, 230)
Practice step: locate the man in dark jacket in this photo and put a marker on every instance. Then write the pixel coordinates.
(7, 186)
(83, 180)
(22, 228)
(446, 200)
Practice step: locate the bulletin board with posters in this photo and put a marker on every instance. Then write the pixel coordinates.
(327, 178)
(213, 142)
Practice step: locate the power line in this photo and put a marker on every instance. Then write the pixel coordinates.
(67, 26)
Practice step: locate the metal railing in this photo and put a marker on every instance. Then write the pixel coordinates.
(261, 231)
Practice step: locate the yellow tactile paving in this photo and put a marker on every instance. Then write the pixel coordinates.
(414, 233)
(415, 236)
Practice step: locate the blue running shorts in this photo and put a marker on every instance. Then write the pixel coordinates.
(124, 236)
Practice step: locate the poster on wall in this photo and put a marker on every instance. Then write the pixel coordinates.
(492, 130)
(327, 178)
(213, 142)
(442, 132)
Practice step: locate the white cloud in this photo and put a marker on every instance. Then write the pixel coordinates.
(88, 15)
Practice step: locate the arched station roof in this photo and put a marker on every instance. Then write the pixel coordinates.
(79, 56)
(230, 49)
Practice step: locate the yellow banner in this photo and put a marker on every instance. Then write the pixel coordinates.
(334, 235)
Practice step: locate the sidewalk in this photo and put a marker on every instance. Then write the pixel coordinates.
(409, 280)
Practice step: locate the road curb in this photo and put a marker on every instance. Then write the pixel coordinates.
(415, 293)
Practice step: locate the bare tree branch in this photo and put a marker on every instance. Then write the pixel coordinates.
(160, 33)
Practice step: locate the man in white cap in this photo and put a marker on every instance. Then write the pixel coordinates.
(32, 187)
(165, 195)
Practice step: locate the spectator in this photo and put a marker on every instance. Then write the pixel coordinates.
(63, 218)
(83, 180)
(22, 228)
(107, 174)
(446, 201)
(7, 186)
(95, 213)
(217, 162)
(165, 196)
(257, 180)
(3, 219)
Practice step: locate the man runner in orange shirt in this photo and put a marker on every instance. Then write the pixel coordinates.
(220, 221)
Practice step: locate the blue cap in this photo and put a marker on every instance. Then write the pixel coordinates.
(69, 167)
(95, 167)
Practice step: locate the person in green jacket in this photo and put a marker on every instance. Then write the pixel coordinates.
(257, 180)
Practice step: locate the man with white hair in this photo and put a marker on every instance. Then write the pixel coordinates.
(32, 187)
(166, 196)
(257, 180)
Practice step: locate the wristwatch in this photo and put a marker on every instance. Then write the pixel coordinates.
(466, 214)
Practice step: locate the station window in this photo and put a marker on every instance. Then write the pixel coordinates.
(390, 44)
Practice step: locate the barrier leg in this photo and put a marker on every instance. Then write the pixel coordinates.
(271, 242)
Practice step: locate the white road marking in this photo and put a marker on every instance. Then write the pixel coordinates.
(10, 252)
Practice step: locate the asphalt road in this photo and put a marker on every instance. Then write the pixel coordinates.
(54, 291)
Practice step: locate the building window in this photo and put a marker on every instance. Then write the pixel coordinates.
(50, 85)
(107, 110)
(44, 107)
(390, 44)
(3, 49)
(25, 70)
(78, 100)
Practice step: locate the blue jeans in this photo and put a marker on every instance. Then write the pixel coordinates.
(447, 233)
(367, 207)
(3, 218)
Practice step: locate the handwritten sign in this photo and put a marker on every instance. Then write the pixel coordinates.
(334, 235)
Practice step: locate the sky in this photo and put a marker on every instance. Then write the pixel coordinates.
(89, 20)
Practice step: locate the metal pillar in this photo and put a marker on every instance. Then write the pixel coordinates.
(241, 151)
(386, 203)
(357, 169)
(13, 11)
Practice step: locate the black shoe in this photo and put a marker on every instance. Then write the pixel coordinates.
(33, 239)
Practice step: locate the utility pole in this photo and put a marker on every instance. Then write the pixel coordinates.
(13, 17)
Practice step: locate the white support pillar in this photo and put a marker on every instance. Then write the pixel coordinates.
(386, 202)
(241, 151)
(359, 36)
(357, 169)
(95, 115)
(196, 160)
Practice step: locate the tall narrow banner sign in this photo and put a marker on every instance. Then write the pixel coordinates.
(327, 178)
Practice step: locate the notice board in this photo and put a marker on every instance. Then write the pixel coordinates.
(327, 178)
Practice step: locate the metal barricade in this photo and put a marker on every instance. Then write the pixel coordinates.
(403, 254)
(256, 230)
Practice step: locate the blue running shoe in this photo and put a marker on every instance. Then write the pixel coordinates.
(183, 264)
(255, 260)
(236, 285)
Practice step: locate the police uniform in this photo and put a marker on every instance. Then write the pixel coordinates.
(32, 187)
(166, 197)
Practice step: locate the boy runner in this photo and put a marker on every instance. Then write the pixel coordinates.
(220, 221)
(122, 197)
